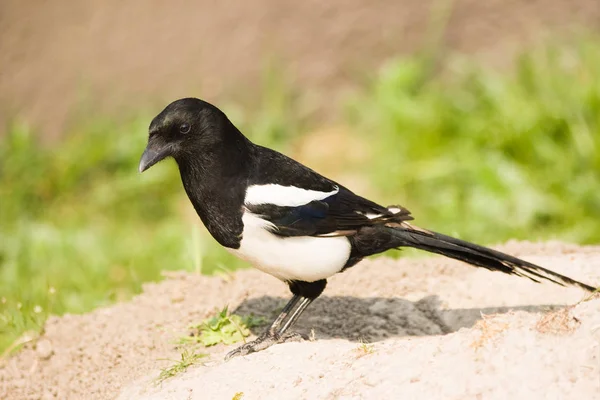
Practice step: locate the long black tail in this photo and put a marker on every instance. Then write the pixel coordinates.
(478, 255)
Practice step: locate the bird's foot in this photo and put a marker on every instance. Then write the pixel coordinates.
(264, 341)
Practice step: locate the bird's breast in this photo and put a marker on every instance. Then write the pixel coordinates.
(304, 258)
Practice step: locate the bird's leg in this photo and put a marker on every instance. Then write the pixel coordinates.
(283, 314)
(276, 332)
(292, 320)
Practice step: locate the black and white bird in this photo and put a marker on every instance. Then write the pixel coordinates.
(286, 219)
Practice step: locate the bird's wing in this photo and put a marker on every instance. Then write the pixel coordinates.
(340, 213)
(298, 201)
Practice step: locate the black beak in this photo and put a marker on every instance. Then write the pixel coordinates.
(152, 155)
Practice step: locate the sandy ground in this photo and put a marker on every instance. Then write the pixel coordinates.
(437, 328)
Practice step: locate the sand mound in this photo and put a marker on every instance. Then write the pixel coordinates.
(437, 328)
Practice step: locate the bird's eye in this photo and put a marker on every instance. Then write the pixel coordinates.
(184, 128)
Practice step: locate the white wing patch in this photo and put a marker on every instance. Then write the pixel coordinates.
(304, 258)
(284, 196)
(372, 215)
(393, 210)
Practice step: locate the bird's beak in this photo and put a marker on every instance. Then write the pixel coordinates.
(153, 154)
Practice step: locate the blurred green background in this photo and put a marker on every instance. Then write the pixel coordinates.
(482, 152)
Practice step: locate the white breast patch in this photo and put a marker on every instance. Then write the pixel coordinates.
(303, 258)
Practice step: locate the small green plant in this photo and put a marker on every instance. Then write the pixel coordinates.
(188, 358)
(223, 328)
(365, 348)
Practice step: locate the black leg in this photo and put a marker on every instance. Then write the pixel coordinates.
(295, 315)
(304, 294)
(286, 310)
(275, 333)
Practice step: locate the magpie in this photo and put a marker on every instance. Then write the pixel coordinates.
(289, 221)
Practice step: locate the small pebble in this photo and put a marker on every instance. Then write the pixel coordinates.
(43, 349)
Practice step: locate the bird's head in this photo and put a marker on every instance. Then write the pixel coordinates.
(185, 128)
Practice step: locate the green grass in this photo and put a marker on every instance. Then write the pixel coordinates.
(224, 328)
(188, 358)
(491, 156)
(484, 155)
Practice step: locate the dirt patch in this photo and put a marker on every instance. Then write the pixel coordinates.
(559, 322)
(58, 56)
(420, 316)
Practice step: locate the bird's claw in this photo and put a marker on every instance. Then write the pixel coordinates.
(263, 342)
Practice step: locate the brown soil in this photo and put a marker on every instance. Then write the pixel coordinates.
(432, 323)
(59, 56)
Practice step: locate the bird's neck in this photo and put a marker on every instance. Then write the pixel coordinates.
(215, 182)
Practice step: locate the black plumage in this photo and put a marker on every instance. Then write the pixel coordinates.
(289, 220)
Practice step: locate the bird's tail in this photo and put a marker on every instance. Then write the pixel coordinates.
(410, 236)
